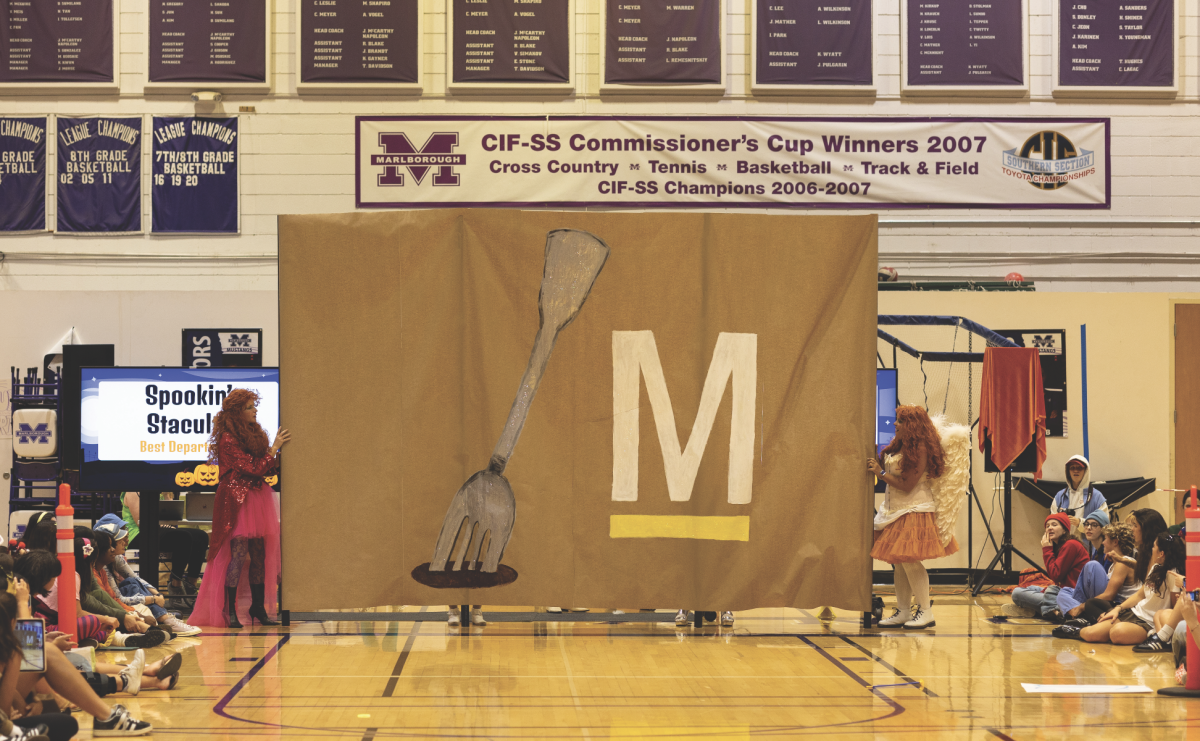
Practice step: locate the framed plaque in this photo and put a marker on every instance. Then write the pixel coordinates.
(974, 47)
(354, 47)
(517, 46)
(55, 46)
(221, 45)
(662, 48)
(1123, 48)
(812, 46)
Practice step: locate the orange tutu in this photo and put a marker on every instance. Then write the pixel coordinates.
(913, 537)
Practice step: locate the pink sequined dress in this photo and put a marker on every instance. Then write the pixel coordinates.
(244, 508)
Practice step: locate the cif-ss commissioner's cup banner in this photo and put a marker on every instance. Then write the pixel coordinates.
(22, 174)
(697, 436)
(100, 175)
(731, 162)
(195, 171)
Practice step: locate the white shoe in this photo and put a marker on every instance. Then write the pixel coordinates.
(922, 618)
(180, 628)
(477, 617)
(453, 618)
(1012, 609)
(132, 672)
(554, 610)
(727, 619)
(580, 609)
(683, 617)
(618, 612)
(898, 618)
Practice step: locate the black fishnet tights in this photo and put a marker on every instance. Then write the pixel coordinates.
(239, 549)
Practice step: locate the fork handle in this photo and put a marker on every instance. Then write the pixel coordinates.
(543, 344)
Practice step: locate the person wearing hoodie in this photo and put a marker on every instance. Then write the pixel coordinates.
(1079, 499)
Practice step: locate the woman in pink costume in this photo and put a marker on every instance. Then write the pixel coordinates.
(245, 519)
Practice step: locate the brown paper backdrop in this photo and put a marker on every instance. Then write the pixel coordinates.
(403, 339)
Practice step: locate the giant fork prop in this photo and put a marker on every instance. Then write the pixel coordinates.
(485, 503)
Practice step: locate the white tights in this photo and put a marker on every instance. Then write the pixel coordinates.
(912, 580)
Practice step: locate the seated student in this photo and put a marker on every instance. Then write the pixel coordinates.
(1064, 557)
(1142, 614)
(41, 532)
(37, 573)
(188, 547)
(126, 586)
(1166, 621)
(62, 678)
(1096, 590)
(1091, 534)
(129, 630)
(1190, 624)
(1147, 524)
(1079, 499)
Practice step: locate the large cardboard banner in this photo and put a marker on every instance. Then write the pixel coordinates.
(642, 409)
(731, 162)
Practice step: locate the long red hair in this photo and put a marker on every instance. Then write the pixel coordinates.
(230, 421)
(915, 434)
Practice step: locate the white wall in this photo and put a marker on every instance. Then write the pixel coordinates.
(298, 158)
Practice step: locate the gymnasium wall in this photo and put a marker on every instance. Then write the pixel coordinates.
(298, 158)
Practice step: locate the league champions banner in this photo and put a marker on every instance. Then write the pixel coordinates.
(100, 175)
(22, 174)
(697, 437)
(732, 162)
(195, 171)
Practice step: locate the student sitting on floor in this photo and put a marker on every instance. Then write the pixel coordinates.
(1064, 557)
(1092, 536)
(1097, 591)
(1142, 614)
(126, 586)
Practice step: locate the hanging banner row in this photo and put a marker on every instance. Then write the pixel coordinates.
(98, 174)
(732, 162)
(530, 44)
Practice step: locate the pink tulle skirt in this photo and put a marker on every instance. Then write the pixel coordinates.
(257, 518)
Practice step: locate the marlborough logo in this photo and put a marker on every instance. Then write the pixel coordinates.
(1049, 161)
(437, 153)
(31, 435)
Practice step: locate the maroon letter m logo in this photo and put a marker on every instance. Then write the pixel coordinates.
(436, 153)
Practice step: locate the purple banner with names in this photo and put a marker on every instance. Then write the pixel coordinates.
(976, 42)
(358, 42)
(56, 41)
(22, 174)
(1116, 44)
(213, 41)
(511, 41)
(813, 42)
(657, 43)
(195, 174)
(100, 175)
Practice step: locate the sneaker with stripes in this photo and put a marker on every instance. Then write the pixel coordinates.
(120, 723)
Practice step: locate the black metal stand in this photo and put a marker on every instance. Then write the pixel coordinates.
(1179, 692)
(464, 615)
(1007, 549)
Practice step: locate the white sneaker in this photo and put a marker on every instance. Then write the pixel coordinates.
(580, 609)
(922, 618)
(477, 617)
(727, 619)
(132, 673)
(1012, 609)
(453, 618)
(683, 617)
(618, 612)
(554, 610)
(180, 628)
(897, 618)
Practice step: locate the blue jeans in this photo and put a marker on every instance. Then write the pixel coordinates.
(133, 587)
(1042, 600)
(1092, 582)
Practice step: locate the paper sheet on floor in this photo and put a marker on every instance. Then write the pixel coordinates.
(1086, 689)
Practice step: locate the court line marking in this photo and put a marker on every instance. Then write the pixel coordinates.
(219, 708)
(878, 659)
(403, 658)
(897, 708)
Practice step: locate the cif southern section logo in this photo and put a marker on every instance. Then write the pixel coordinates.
(1049, 160)
(437, 153)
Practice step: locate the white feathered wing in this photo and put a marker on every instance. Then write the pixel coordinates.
(949, 489)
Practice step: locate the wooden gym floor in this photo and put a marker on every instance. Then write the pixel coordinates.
(779, 673)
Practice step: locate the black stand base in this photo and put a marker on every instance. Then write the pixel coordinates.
(285, 616)
(1179, 692)
(1007, 549)
(464, 615)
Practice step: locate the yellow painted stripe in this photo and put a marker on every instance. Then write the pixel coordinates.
(679, 526)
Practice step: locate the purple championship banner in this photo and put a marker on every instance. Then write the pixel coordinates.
(731, 162)
(352, 41)
(222, 41)
(813, 42)
(56, 41)
(965, 42)
(195, 170)
(510, 41)
(99, 175)
(664, 44)
(1116, 44)
(23, 174)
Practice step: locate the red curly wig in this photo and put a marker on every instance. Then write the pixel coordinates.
(915, 434)
(230, 421)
